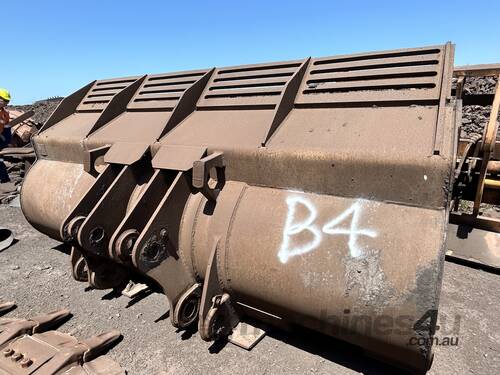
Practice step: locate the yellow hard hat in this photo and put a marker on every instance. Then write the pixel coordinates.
(5, 95)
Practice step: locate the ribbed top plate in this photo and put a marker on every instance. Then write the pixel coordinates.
(163, 91)
(248, 85)
(402, 75)
(102, 92)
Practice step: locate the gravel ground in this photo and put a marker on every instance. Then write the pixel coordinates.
(38, 278)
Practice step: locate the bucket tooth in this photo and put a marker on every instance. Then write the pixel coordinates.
(49, 320)
(53, 352)
(100, 365)
(100, 343)
(12, 328)
(6, 306)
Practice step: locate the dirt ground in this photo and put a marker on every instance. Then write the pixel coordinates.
(35, 273)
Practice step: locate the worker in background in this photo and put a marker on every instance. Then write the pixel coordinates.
(5, 134)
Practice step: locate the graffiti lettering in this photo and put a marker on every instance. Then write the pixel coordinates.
(293, 227)
(353, 231)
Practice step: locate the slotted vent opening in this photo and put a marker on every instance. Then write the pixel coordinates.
(161, 84)
(160, 91)
(372, 77)
(248, 85)
(377, 56)
(242, 94)
(254, 76)
(371, 88)
(258, 67)
(173, 76)
(95, 101)
(107, 88)
(429, 63)
(175, 98)
(115, 82)
(99, 95)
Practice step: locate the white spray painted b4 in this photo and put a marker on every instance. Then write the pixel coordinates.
(332, 228)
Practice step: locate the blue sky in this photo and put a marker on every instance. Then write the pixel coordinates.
(55, 47)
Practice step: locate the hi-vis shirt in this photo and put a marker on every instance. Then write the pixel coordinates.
(4, 119)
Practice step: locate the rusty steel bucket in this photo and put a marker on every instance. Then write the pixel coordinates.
(312, 192)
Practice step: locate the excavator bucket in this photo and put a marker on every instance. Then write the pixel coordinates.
(311, 192)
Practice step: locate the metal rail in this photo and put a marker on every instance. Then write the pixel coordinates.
(479, 70)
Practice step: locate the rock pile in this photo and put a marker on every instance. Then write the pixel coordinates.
(475, 117)
(43, 108)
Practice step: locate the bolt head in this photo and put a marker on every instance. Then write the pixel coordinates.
(17, 357)
(164, 234)
(26, 362)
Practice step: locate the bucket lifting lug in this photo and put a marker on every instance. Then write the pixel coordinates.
(94, 160)
(125, 244)
(209, 175)
(214, 326)
(71, 230)
(217, 315)
(187, 308)
(79, 266)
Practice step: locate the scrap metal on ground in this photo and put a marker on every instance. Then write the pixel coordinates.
(6, 238)
(27, 347)
(475, 237)
(22, 127)
(19, 155)
(296, 193)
